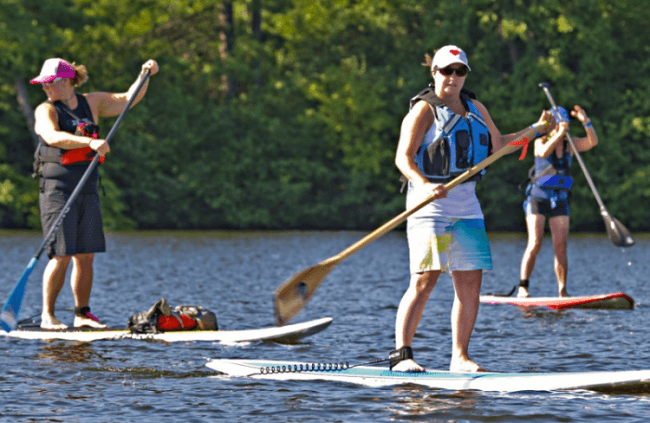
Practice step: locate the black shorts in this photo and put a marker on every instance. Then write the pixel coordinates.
(82, 229)
(533, 205)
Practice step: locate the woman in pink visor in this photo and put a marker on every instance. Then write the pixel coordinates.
(69, 138)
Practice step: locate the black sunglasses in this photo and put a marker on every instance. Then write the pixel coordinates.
(462, 71)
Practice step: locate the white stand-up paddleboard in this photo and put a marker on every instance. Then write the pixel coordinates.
(617, 300)
(286, 334)
(634, 381)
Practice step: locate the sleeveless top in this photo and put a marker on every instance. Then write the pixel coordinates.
(552, 176)
(452, 145)
(67, 177)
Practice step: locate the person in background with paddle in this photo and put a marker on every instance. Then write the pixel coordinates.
(66, 124)
(440, 138)
(547, 194)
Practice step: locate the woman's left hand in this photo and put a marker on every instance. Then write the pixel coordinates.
(579, 113)
(151, 66)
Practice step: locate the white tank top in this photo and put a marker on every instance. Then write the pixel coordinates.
(461, 202)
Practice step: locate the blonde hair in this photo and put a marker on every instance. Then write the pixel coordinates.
(80, 75)
(428, 60)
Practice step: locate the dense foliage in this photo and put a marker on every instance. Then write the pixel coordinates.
(286, 113)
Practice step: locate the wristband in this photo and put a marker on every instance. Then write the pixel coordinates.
(588, 124)
(538, 134)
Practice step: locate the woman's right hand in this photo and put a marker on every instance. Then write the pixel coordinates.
(100, 146)
(437, 190)
(545, 121)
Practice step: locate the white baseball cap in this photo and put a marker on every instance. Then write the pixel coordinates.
(53, 69)
(449, 55)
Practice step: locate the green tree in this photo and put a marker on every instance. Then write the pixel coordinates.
(286, 113)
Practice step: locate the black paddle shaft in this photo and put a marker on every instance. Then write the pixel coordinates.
(88, 171)
(544, 86)
(618, 233)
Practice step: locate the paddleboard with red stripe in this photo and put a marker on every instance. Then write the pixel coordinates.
(618, 300)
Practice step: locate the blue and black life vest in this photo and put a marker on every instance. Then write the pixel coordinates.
(550, 177)
(454, 143)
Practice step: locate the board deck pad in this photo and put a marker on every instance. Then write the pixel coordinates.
(633, 381)
(284, 334)
(618, 300)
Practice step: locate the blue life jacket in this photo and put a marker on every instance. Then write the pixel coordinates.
(551, 177)
(454, 143)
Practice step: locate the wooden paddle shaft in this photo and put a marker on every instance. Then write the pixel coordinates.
(293, 294)
(397, 220)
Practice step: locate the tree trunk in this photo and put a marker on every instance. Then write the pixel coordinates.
(227, 37)
(23, 102)
(257, 34)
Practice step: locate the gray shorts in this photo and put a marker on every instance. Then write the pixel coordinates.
(82, 229)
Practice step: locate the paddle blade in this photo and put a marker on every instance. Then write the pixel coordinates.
(617, 233)
(293, 294)
(11, 309)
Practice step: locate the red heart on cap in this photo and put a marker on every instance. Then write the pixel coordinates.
(455, 52)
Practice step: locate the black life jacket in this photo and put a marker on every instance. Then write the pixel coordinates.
(69, 122)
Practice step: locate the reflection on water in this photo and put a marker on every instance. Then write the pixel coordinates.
(420, 403)
(234, 274)
(66, 352)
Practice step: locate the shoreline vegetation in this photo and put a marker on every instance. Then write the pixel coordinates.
(286, 115)
(233, 233)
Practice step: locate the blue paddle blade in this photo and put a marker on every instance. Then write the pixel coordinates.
(11, 309)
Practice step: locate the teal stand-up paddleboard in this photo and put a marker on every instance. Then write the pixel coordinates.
(633, 381)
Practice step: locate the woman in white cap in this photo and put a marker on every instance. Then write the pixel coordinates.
(66, 124)
(440, 138)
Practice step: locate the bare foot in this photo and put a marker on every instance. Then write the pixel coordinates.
(523, 292)
(49, 322)
(465, 366)
(408, 366)
(563, 293)
(83, 321)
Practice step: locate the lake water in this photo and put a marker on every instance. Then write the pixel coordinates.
(234, 274)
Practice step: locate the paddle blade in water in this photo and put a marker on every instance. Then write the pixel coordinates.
(293, 294)
(618, 233)
(11, 309)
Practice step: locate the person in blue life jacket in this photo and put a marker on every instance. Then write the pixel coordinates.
(440, 138)
(69, 138)
(547, 194)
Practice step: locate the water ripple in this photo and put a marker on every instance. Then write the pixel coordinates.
(234, 274)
